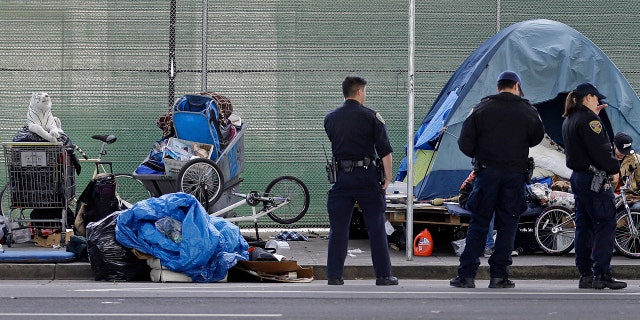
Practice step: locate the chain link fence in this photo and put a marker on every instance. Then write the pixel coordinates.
(115, 66)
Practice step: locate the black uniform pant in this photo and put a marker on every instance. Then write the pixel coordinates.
(361, 186)
(494, 191)
(595, 225)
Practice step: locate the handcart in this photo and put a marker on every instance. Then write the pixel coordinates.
(40, 177)
(196, 120)
(214, 181)
(206, 179)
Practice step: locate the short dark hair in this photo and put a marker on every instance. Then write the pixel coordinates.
(503, 84)
(351, 85)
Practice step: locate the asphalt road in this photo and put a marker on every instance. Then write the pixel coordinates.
(357, 299)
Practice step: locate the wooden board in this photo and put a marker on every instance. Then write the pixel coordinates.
(424, 213)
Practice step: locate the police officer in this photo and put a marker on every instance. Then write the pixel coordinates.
(357, 135)
(497, 135)
(588, 149)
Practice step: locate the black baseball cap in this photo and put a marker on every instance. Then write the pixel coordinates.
(510, 75)
(586, 88)
(623, 143)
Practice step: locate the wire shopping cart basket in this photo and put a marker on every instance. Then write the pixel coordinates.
(40, 177)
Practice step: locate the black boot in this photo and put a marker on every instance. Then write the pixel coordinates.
(501, 283)
(586, 281)
(462, 282)
(606, 280)
(387, 281)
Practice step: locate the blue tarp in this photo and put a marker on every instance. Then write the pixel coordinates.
(210, 246)
(551, 59)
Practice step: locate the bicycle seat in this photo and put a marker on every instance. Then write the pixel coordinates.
(108, 139)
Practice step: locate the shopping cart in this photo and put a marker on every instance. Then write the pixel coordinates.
(40, 175)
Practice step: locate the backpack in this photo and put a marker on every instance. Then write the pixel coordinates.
(97, 201)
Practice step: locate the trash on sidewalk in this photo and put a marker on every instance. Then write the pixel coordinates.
(353, 252)
(270, 271)
(291, 235)
(52, 240)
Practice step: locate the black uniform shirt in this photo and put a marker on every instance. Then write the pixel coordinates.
(356, 131)
(500, 130)
(587, 143)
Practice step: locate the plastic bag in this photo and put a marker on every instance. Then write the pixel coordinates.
(458, 246)
(110, 261)
(171, 228)
(210, 246)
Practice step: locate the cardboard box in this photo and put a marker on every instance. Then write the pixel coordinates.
(52, 239)
(179, 151)
(270, 271)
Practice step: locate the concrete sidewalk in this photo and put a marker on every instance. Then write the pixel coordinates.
(442, 264)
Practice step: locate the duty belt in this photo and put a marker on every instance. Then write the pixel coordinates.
(348, 165)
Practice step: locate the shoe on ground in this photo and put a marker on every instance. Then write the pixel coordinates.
(602, 281)
(335, 282)
(462, 282)
(501, 283)
(586, 281)
(488, 252)
(514, 253)
(387, 281)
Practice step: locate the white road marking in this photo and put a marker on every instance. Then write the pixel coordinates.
(145, 315)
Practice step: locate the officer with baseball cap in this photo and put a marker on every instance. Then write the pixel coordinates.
(588, 152)
(497, 135)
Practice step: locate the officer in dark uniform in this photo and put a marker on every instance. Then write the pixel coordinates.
(588, 150)
(359, 144)
(497, 135)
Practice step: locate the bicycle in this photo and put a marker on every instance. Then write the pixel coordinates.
(555, 228)
(129, 189)
(58, 171)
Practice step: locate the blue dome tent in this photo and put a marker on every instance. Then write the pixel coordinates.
(551, 59)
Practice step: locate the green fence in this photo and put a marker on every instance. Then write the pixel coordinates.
(106, 66)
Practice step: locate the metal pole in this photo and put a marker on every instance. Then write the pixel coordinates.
(498, 16)
(205, 14)
(409, 228)
(172, 53)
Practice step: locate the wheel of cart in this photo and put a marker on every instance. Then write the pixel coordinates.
(203, 179)
(555, 230)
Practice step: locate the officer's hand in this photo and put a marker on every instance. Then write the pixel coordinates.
(600, 107)
(385, 184)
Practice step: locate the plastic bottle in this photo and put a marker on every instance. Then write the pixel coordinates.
(423, 244)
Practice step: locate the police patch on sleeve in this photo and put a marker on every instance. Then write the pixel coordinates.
(596, 126)
(379, 117)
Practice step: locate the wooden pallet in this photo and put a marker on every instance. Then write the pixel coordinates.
(425, 214)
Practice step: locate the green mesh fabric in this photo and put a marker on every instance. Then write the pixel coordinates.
(106, 66)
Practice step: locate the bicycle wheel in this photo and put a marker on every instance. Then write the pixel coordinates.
(130, 189)
(4, 202)
(287, 188)
(627, 240)
(203, 179)
(555, 230)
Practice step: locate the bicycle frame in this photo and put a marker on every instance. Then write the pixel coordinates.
(252, 199)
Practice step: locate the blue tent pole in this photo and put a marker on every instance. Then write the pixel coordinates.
(409, 227)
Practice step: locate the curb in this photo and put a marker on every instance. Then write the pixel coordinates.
(82, 271)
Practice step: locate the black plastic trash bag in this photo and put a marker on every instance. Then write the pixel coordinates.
(110, 261)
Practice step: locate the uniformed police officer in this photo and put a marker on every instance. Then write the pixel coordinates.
(497, 135)
(588, 149)
(359, 142)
